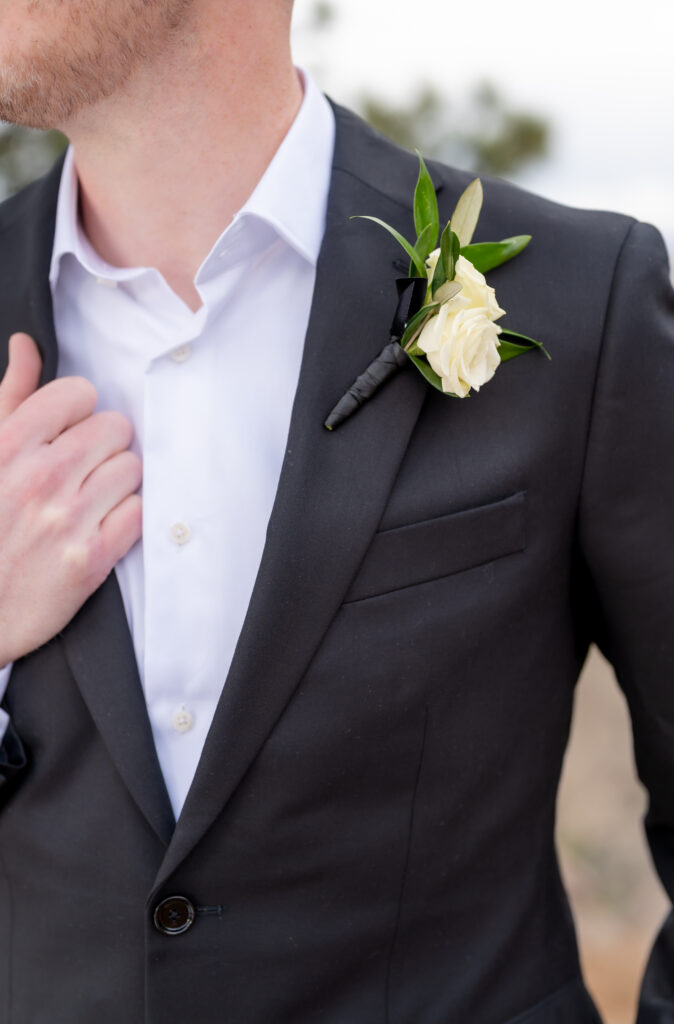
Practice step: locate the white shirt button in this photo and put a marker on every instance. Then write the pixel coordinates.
(106, 282)
(180, 533)
(182, 719)
(180, 355)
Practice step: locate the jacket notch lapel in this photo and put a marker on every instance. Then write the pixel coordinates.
(100, 654)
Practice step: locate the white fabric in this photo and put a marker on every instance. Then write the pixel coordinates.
(209, 395)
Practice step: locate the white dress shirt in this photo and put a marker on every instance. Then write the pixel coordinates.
(209, 394)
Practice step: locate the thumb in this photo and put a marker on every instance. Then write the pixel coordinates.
(22, 375)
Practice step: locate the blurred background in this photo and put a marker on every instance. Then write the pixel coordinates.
(572, 101)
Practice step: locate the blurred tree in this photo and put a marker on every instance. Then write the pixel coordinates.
(486, 137)
(25, 154)
(322, 15)
(504, 139)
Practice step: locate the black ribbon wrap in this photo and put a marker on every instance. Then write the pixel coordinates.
(388, 362)
(411, 295)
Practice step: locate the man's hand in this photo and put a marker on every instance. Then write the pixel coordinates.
(68, 511)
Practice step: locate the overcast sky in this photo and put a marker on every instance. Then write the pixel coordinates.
(603, 73)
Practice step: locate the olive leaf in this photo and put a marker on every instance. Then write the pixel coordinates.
(523, 343)
(449, 251)
(424, 246)
(486, 255)
(417, 323)
(465, 217)
(430, 375)
(446, 291)
(426, 214)
(445, 267)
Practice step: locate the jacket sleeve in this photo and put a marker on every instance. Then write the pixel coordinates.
(626, 531)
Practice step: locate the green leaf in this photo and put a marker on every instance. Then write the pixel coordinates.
(449, 252)
(445, 268)
(439, 276)
(508, 350)
(426, 205)
(529, 343)
(419, 265)
(430, 375)
(425, 243)
(465, 217)
(416, 322)
(486, 255)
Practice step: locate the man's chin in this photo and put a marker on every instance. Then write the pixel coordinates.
(45, 91)
(60, 58)
(30, 109)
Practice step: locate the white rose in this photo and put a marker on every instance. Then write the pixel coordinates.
(461, 340)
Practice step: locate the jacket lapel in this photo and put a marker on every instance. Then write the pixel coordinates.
(333, 486)
(25, 295)
(100, 654)
(97, 643)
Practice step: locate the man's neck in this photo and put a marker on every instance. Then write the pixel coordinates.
(165, 164)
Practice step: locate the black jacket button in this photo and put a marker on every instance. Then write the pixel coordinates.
(174, 915)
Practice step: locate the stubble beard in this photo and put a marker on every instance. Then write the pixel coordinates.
(95, 49)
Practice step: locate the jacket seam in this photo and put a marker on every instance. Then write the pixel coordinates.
(600, 352)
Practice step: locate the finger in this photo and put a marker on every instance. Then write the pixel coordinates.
(109, 484)
(22, 375)
(121, 528)
(91, 442)
(52, 409)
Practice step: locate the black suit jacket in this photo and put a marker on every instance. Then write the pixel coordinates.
(369, 836)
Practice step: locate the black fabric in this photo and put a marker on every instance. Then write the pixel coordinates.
(12, 756)
(369, 835)
(657, 995)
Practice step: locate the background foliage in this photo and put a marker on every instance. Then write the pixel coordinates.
(25, 154)
(482, 132)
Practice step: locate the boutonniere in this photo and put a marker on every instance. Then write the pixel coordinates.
(445, 322)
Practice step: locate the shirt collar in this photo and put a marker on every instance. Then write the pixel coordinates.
(291, 197)
(292, 194)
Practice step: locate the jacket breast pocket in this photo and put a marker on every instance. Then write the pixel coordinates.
(425, 551)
